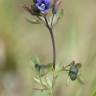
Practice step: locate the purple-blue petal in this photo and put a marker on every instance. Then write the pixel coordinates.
(44, 11)
(43, 5)
(39, 1)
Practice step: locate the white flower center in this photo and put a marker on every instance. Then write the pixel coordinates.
(42, 6)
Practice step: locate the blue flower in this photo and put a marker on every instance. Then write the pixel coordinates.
(43, 5)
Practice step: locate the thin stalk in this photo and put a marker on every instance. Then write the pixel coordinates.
(53, 42)
(54, 51)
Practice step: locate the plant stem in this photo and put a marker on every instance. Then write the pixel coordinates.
(54, 50)
(52, 21)
(53, 42)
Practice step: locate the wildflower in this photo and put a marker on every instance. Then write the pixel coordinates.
(39, 7)
(43, 5)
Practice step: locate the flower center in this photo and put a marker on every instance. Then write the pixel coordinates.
(42, 6)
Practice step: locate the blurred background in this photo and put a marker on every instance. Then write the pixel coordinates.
(75, 36)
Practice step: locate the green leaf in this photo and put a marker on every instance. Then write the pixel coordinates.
(36, 60)
(33, 21)
(49, 82)
(80, 80)
(37, 80)
(49, 66)
(61, 13)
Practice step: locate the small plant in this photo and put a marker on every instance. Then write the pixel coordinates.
(47, 74)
